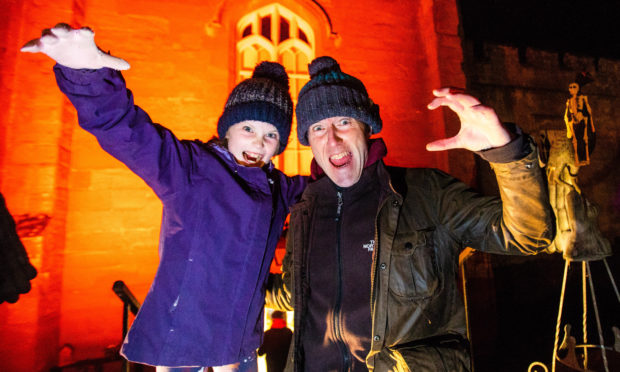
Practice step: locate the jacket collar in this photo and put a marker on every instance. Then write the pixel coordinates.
(228, 158)
(260, 177)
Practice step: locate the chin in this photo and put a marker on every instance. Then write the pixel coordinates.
(345, 182)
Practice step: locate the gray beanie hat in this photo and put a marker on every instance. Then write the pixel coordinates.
(330, 92)
(264, 97)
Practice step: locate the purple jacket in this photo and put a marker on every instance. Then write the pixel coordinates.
(218, 234)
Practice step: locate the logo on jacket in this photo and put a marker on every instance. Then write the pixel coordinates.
(370, 246)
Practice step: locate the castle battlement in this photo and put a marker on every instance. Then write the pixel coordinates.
(490, 63)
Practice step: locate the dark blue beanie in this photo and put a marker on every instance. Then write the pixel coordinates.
(330, 92)
(264, 97)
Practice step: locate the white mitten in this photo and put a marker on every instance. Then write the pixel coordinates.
(73, 48)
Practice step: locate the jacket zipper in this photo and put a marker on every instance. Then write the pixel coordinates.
(375, 264)
(337, 307)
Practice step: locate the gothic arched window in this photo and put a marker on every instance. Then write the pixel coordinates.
(274, 33)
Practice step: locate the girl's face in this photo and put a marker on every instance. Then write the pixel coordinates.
(252, 142)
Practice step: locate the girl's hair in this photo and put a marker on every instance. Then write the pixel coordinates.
(222, 142)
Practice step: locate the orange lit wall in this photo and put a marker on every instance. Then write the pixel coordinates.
(104, 221)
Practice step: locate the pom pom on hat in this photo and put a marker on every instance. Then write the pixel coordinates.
(272, 71)
(323, 65)
(330, 93)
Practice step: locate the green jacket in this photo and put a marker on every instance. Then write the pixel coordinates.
(423, 223)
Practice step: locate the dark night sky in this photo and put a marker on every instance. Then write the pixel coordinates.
(590, 28)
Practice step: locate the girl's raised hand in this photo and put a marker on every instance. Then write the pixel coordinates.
(73, 48)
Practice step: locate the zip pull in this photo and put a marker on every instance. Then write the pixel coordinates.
(339, 210)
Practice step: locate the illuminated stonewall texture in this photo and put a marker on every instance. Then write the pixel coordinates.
(185, 58)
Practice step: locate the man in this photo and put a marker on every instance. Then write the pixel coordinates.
(276, 342)
(373, 250)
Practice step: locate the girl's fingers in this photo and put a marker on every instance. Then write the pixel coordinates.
(61, 29)
(33, 46)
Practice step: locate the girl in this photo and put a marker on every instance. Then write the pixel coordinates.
(224, 204)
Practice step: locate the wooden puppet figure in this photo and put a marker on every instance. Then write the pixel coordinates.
(579, 123)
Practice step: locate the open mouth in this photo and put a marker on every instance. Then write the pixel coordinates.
(251, 157)
(341, 160)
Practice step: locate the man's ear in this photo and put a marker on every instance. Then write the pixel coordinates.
(367, 131)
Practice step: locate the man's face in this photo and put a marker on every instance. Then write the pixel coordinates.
(340, 147)
(252, 142)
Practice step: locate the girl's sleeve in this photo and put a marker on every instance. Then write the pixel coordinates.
(106, 109)
(295, 187)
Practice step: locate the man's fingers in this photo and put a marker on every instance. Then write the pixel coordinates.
(442, 92)
(465, 99)
(454, 105)
(446, 95)
(443, 144)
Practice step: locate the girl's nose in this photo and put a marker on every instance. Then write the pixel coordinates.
(258, 140)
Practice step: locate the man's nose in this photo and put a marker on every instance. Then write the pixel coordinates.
(333, 136)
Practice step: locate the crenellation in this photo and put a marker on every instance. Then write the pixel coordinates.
(501, 65)
(541, 59)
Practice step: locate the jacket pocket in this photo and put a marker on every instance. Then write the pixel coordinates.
(414, 271)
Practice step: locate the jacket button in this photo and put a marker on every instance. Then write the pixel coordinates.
(395, 203)
(529, 165)
(382, 266)
(408, 245)
(377, 338)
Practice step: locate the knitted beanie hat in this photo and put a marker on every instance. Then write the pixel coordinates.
(264, 97)
(330, 92)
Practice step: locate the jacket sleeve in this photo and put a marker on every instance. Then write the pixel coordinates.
(522, 222)
(106, 109)
(295, 187)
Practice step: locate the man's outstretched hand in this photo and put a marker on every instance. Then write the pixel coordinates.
(480, 126)
(73, 48)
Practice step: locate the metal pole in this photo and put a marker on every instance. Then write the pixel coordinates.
(598, 320)
(585, 314)
(126, 310)
(611, 278)
(559, 321)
